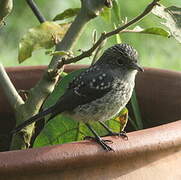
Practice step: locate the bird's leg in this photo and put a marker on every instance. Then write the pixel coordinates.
(111, 133)
(98, 139)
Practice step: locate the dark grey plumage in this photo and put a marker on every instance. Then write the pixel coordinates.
(101, 91)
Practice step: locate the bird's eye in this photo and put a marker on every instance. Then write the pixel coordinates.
(120, 61)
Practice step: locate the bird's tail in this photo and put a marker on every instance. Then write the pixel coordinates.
(35, 118)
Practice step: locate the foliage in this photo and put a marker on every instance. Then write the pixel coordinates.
(152, 30)
(45, 35)
(68, 13)
(172, 16)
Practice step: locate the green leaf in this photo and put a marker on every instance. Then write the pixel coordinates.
(118, 36)
(106, 14)
(132, 122)
(62, 129)
(116, 10)
(45, 35)
(152, 30)
(172, 16)
(67, 14)
(136, 111)
(62, 53)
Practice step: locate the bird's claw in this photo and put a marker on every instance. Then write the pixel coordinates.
(123, 135)
(93, 138)
(101, 141)
(120, 134)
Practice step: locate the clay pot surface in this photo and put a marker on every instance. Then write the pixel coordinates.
(152, 153)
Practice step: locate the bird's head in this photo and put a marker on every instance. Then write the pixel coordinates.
(122, 56)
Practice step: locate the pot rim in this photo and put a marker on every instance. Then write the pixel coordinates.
(153, 141)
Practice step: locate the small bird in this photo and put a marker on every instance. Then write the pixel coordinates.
(99, 93)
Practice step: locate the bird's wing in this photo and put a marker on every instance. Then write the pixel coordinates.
(88, 86)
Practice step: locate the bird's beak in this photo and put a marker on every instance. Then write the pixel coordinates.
(137, 67)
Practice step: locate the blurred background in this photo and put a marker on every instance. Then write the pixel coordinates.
(154, 51)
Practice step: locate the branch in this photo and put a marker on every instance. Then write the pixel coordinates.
(130, 31)
(12, 95)
(109, 34)
(36, 11)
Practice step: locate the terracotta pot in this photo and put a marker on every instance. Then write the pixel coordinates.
(152, 153)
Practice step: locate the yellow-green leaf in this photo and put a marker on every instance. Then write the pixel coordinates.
(106, 14)
(118, 36)
(116, 10)
(152, 30)
(136, 110)
(67, 14)
(45, 35)
(62, 53)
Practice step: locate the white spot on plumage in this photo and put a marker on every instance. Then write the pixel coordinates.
(100, 77)
(91, 84)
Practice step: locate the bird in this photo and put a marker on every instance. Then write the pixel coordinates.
(98, 93)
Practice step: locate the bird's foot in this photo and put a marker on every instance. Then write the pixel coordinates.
(101, 141)
(111, 133)
(120, 134)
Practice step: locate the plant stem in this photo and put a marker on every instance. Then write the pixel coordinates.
(36, 11)
(14, 98)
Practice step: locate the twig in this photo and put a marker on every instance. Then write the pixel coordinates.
(111, 33)
(130, 31)
(36, 11)
(13, 97)
(98, 51)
